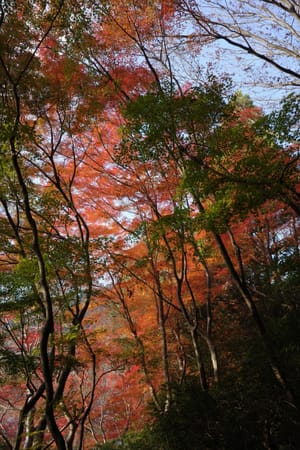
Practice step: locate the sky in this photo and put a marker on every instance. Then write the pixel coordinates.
(250, 74)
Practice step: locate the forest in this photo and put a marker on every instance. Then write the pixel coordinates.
(149, 225)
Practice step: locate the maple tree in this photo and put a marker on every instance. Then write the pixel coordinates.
(212, 155)
(47, 237)
(133, 222)
(193, 131)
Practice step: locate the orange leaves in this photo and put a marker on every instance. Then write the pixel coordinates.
(48, 49)
(137, 19)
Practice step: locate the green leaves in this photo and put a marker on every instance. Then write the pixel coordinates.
(285, 122)
(164, 124)
(15, 364)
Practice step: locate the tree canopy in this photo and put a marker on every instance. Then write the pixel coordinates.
(149, 228)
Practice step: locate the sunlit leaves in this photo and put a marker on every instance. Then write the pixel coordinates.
(285, 122)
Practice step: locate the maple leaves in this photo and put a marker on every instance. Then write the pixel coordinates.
(199, 146)
(127, 206)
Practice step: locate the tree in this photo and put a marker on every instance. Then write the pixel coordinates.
(267, 30)
(49, 241)
(117, 257)
(195, 131)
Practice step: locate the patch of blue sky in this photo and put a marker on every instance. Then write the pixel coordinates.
(269, 30)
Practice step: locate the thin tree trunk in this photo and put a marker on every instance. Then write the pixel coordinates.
(207, 336)
(39, 434)
(199, 359)
(29, 429)
(213, 358)
(165, 358)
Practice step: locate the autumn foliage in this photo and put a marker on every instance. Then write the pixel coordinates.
(149, 244)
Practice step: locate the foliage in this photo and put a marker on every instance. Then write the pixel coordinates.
(149, 239)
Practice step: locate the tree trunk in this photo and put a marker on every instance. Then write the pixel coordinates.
(199, 360)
